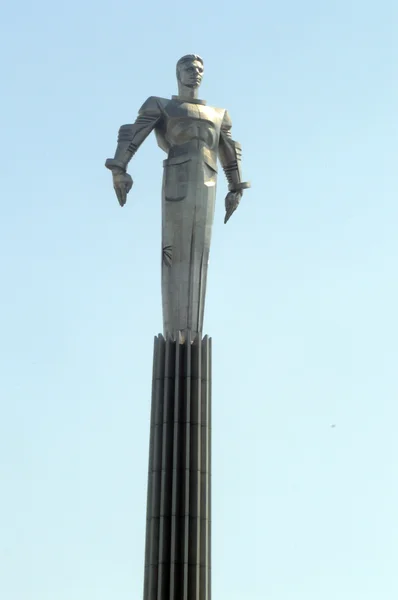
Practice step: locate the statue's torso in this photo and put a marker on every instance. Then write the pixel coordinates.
(190, 129)
(190, 133)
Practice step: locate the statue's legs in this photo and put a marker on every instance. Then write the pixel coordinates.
(186, 236)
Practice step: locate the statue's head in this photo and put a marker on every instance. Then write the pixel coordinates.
(190, 71)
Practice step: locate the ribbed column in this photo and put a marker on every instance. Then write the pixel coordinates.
(177, 554)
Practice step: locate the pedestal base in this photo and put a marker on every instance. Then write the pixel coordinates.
(178, 535)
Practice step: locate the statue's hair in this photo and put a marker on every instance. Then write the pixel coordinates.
(188, 58)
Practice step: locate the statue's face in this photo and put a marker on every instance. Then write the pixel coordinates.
(190, 74)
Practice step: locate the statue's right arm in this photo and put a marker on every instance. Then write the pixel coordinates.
(129, 140)
(131, 136)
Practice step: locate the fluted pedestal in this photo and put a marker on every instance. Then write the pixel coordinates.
(178, 536)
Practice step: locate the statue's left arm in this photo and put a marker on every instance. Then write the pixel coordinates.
(230, 153)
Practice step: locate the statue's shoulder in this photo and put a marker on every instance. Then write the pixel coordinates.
(154, 105)
(219, 110)
(226, 122)
(223, 115)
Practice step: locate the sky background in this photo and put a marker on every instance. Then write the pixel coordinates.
(302, 296)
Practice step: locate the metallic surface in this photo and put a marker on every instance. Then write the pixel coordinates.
(194, 136)
(178, 531)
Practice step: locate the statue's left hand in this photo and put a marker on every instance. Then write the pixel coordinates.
(232, 200)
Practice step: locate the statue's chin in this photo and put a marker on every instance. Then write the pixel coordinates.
(192, 86)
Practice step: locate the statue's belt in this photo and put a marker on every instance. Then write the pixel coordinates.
(206, 157)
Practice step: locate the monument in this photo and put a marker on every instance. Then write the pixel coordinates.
(194, 136)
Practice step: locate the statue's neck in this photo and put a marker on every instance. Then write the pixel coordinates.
(187, 92)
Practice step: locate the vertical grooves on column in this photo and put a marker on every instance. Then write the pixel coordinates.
(167, 465)
(154, 475)
(187, 457)
(205, 472)
(177, 551)
(178, 451)
(195, 473)
(209, 476)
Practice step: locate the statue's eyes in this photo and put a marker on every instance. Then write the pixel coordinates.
(192, 69)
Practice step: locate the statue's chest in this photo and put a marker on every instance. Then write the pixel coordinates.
(187, 122)
(176, 110)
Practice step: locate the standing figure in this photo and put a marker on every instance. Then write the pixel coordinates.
(193, 135)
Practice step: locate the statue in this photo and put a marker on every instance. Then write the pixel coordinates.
(193, 135)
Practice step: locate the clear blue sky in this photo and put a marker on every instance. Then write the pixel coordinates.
(302, 299)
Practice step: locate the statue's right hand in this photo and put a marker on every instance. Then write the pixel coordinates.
(122, 183)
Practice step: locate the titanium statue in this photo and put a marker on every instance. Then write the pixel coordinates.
(193, 135)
